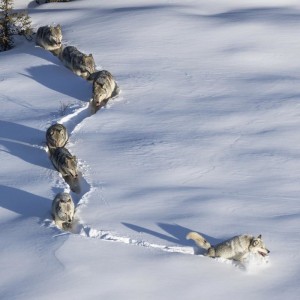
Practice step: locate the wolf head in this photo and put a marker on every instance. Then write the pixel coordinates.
(64, 207)
(71, 162)
(257, 246)
(56, 135)
(99, 94)
(55, 36)
(103, 86)
(88, 63)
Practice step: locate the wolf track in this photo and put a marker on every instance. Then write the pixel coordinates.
(236, 248)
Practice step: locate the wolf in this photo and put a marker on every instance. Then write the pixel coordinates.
(236, 248)
(64, 162)
(81, 64)
(63, 210)
(104, 87)
(49, 37)
(56, 136)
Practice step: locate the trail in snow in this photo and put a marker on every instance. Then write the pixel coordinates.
(89, 232)
(252, 264)
(72, 122)
(73, 117)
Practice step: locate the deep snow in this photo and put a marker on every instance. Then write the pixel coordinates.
(203, 137)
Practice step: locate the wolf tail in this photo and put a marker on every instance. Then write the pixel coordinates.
(199, 240)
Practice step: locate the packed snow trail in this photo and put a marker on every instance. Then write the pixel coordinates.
(73, 116)
(72, 122)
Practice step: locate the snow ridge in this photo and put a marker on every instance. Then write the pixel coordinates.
(89, 232)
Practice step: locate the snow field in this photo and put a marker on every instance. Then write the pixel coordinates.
(204, 137)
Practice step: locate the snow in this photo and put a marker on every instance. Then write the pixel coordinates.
(203, 137)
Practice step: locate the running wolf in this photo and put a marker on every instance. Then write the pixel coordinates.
(56, 136)
(49, 37)
(64, 162)
(235, 248)
(63, 210)
(104, 87)
(81, 64)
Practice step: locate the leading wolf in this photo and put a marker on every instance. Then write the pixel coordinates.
(64, 162)
(236, 248)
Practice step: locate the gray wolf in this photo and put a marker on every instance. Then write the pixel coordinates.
(49, 37)
(236, 248)
(81, 64)
(63, 210)
(104, 87)
(56, 136)
(64, 162)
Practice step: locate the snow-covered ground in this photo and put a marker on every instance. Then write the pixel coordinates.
(204, 136)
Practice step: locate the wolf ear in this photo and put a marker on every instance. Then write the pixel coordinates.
(259, 237)
(90, 55)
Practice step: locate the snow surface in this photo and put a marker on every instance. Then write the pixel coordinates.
(204, 136)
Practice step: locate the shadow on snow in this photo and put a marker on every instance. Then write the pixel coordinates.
(173, 233)
(62, 80)
(24, 203)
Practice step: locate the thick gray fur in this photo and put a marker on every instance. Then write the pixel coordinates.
(56, 136)
(81, 64)
(104, 87)
(49, 37)
(63, 210)
(64, 162)
(236, 248)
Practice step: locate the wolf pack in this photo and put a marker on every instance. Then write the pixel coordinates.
(104, 87)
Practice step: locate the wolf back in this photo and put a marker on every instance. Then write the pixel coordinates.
(235, 248)
(49, 37)
(104, 87)
(63, 210)
(64, 162)
(81, 64)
